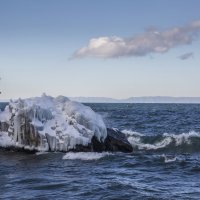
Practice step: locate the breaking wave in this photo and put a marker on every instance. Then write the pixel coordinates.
(169, 159)
(182, 143)
(85, 155)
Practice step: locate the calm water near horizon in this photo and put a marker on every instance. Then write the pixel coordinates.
(165, 163)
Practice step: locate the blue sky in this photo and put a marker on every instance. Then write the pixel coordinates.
(38, 38)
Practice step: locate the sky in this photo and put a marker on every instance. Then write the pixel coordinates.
(107, 48)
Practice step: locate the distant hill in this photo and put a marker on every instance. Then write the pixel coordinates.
(95, 100)
(145, 99)
(153, 99)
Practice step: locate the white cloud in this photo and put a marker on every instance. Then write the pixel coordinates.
(151, 41)
(186, 56)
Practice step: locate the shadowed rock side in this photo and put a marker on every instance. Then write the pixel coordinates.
(115, 141)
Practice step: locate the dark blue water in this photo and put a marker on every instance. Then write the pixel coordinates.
(151, 118)
(155, 170)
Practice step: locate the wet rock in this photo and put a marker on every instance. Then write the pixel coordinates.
(115, 141)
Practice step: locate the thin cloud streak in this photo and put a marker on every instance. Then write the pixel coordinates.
(186, 56)
(151, 41)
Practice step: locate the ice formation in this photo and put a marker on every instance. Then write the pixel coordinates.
(49, 124)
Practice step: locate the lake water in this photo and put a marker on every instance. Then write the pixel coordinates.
(165, 163)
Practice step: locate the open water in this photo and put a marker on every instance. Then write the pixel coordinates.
(165, 163)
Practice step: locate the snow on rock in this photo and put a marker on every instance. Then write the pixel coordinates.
(49, 124)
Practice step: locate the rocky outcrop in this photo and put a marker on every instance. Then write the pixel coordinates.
(115, 141)
(57, 124)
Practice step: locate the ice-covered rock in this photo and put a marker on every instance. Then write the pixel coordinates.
(49, 124)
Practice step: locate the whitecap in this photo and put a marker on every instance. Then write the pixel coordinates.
(168, 159)
(136, 140)
(85, 155)
(41, 153)
(131, 133)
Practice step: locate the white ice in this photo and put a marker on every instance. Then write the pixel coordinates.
(60, 123)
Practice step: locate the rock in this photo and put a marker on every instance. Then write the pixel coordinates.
(4, 126)
(57, 124)
(115, 141)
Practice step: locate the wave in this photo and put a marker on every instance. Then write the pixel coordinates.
(85, 155)
(184, 142)
(169, 159)
(41, 153)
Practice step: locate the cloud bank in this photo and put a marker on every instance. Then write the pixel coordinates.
(151, 41)
(186, 56)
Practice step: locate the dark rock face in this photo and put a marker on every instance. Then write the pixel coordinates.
(115, 141)
(4, 126)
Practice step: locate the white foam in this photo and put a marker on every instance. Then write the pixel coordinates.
(41, 153)
(167, 139)
(85, 155)
(5, 140)
(183, 137)
(168, 159)
(131, 133)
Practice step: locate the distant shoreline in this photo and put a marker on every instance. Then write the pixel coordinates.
(163, 100)
(145, 99)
